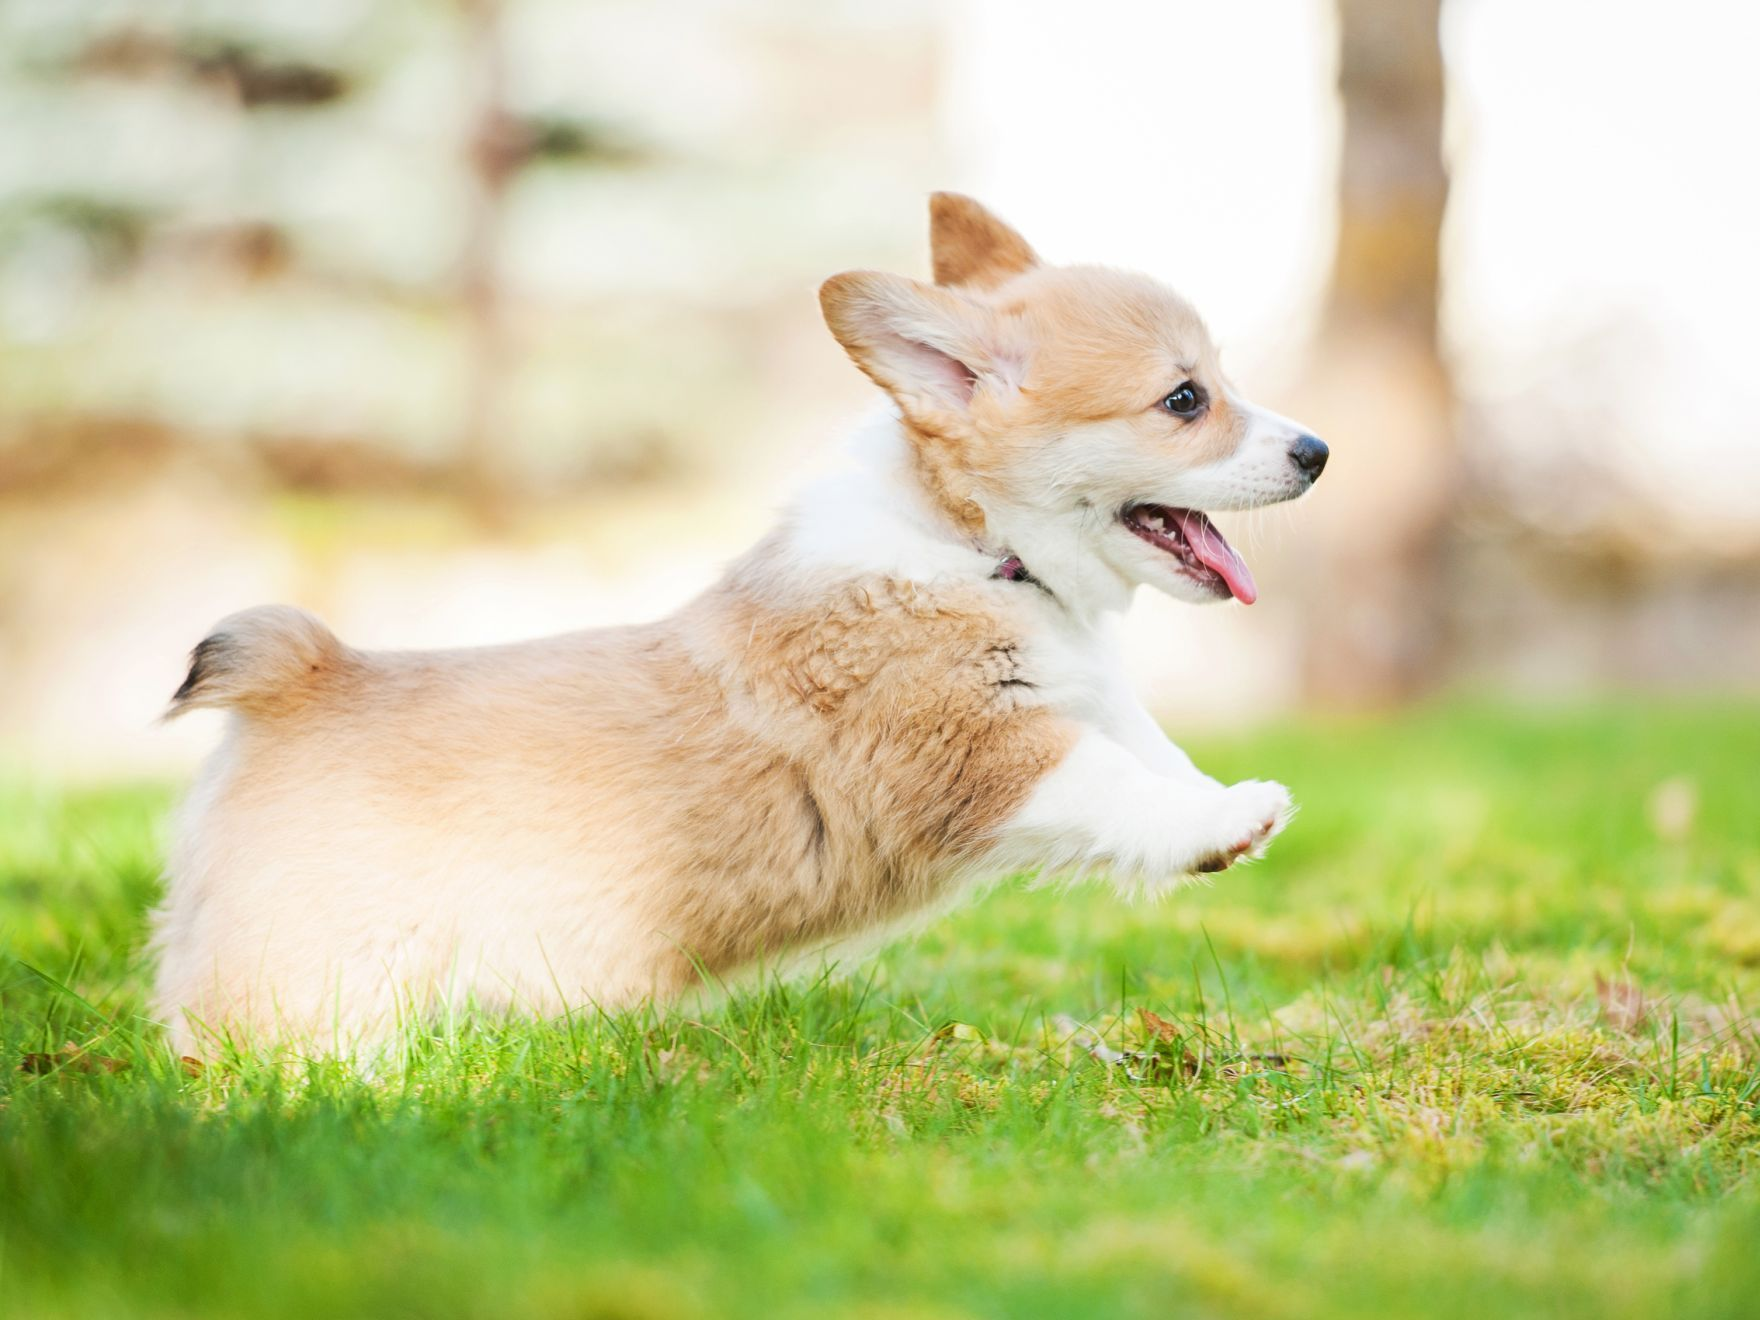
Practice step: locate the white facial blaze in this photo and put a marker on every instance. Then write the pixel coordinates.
(1260, 471)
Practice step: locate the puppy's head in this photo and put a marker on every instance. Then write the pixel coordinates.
(1069, 411)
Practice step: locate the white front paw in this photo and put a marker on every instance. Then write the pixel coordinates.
(1245, 818)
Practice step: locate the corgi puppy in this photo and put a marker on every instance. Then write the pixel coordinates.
(909, 685)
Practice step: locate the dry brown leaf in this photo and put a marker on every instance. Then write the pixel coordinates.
(1163, 1063)
(1158, 1026)
(73, 1059)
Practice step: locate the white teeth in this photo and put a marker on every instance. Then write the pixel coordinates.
(1155, 523)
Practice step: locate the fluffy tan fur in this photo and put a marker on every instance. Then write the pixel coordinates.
(805, 753)
(1102, 344)
(590, 819)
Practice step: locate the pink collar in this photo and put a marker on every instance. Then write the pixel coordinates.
(1012, 570)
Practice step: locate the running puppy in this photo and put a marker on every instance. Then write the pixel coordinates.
(909, 685)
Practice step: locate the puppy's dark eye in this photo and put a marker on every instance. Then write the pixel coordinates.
(1184, 401)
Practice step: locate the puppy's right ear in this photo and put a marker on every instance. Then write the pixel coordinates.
(937, 354)
(970, 247)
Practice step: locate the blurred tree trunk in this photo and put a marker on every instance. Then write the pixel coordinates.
(1381, 392)
(491, 158)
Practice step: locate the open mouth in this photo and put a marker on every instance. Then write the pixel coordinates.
(1203, 553)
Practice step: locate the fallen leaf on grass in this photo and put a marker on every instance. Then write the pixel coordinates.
(1158, 1026)
(73, 1059)
(1167, 1047)
(1163, 1032)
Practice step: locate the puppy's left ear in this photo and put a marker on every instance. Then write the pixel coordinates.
(970, 247)
(940, 356)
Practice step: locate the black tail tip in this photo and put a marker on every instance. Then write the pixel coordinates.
(204, 661)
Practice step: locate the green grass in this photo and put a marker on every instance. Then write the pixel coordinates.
(1478, 1039)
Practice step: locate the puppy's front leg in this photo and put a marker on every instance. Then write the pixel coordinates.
(1144, 738)
(1101, 806)
(1122, 717)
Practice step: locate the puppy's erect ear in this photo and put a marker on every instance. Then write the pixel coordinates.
(972, 248)
(936, 353)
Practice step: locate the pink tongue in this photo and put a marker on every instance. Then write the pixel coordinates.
(1216, 554)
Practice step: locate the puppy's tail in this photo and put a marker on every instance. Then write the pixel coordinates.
(265, 661)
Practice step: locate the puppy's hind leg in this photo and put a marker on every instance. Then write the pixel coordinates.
(1101, 807)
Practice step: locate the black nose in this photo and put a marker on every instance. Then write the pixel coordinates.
(1309, 454)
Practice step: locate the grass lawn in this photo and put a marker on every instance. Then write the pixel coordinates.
(1479, 1038)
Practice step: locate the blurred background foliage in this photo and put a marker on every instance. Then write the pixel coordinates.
(460, 320)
